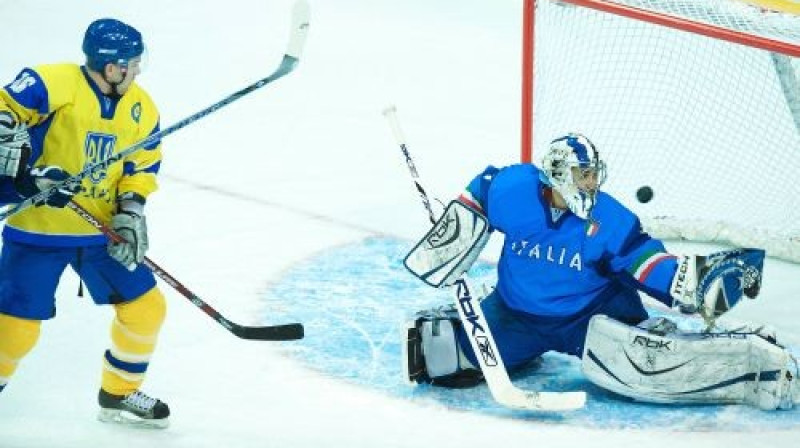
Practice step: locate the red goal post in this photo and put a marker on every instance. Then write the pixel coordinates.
(698, 99)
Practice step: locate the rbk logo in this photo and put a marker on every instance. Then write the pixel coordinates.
(657, 344)
(486, 351)
(446, 231)
(465, 300)
(478, 333)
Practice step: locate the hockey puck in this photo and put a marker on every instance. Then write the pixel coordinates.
(644, 194)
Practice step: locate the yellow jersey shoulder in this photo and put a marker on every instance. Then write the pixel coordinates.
(62, 83)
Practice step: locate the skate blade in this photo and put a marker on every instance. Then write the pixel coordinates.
(125, 418)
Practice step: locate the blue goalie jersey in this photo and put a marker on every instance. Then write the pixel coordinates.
(554, 263)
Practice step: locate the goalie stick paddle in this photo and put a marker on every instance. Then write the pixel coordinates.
(493, 368)
(297, 38)
(286, 332)
(478, 331)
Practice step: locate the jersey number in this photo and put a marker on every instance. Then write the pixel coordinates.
(25, 80)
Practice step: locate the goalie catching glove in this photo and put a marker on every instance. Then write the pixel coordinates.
(450, 247)
(130, 224)
(711, 285)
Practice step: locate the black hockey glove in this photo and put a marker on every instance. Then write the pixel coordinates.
(43, 178)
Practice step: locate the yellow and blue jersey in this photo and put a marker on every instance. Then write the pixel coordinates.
(73, 125)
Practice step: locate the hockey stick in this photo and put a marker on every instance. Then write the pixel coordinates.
(391, 114)
(480, 335)
(287, 332)
(297, 39)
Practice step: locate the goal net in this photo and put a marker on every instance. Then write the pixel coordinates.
(697, 99)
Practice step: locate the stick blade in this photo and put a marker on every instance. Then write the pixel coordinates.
(389, 110)
(516, 398)
(286, 332)
(301, 16)
(561, 401)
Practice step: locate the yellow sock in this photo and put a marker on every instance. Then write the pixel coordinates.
(134, 332)
(17, 338)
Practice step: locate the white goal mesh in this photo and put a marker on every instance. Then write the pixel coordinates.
(710, 125)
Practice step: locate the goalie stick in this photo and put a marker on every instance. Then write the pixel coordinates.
(297, 39)
(391, 114)
(286, 332)
(480, 335)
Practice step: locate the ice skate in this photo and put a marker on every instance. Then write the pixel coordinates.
(137, 409)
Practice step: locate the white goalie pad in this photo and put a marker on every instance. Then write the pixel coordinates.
(677, 367)
(450, 247)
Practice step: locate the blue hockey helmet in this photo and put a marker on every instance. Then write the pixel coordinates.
(109, 41)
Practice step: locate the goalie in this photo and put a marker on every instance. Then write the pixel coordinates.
(572, 265)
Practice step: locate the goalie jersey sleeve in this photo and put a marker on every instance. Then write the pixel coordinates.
(556, 264)
(73, 125)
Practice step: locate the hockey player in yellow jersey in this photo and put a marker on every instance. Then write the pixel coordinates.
(54, 121)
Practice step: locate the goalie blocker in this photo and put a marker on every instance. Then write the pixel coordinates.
(654, 362)
(450, 247)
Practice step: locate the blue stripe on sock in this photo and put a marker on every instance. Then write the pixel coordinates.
(132, 367)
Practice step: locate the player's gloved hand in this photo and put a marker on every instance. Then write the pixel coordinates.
(130, 224)
(42, 178)
(15, 145)
(713, 284)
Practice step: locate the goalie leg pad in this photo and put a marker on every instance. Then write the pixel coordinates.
(655, 363)
(432, 354)
(450, 247)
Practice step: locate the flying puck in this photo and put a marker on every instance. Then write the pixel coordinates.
(644, 194)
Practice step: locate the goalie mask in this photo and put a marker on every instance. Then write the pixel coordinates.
(573, 168)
